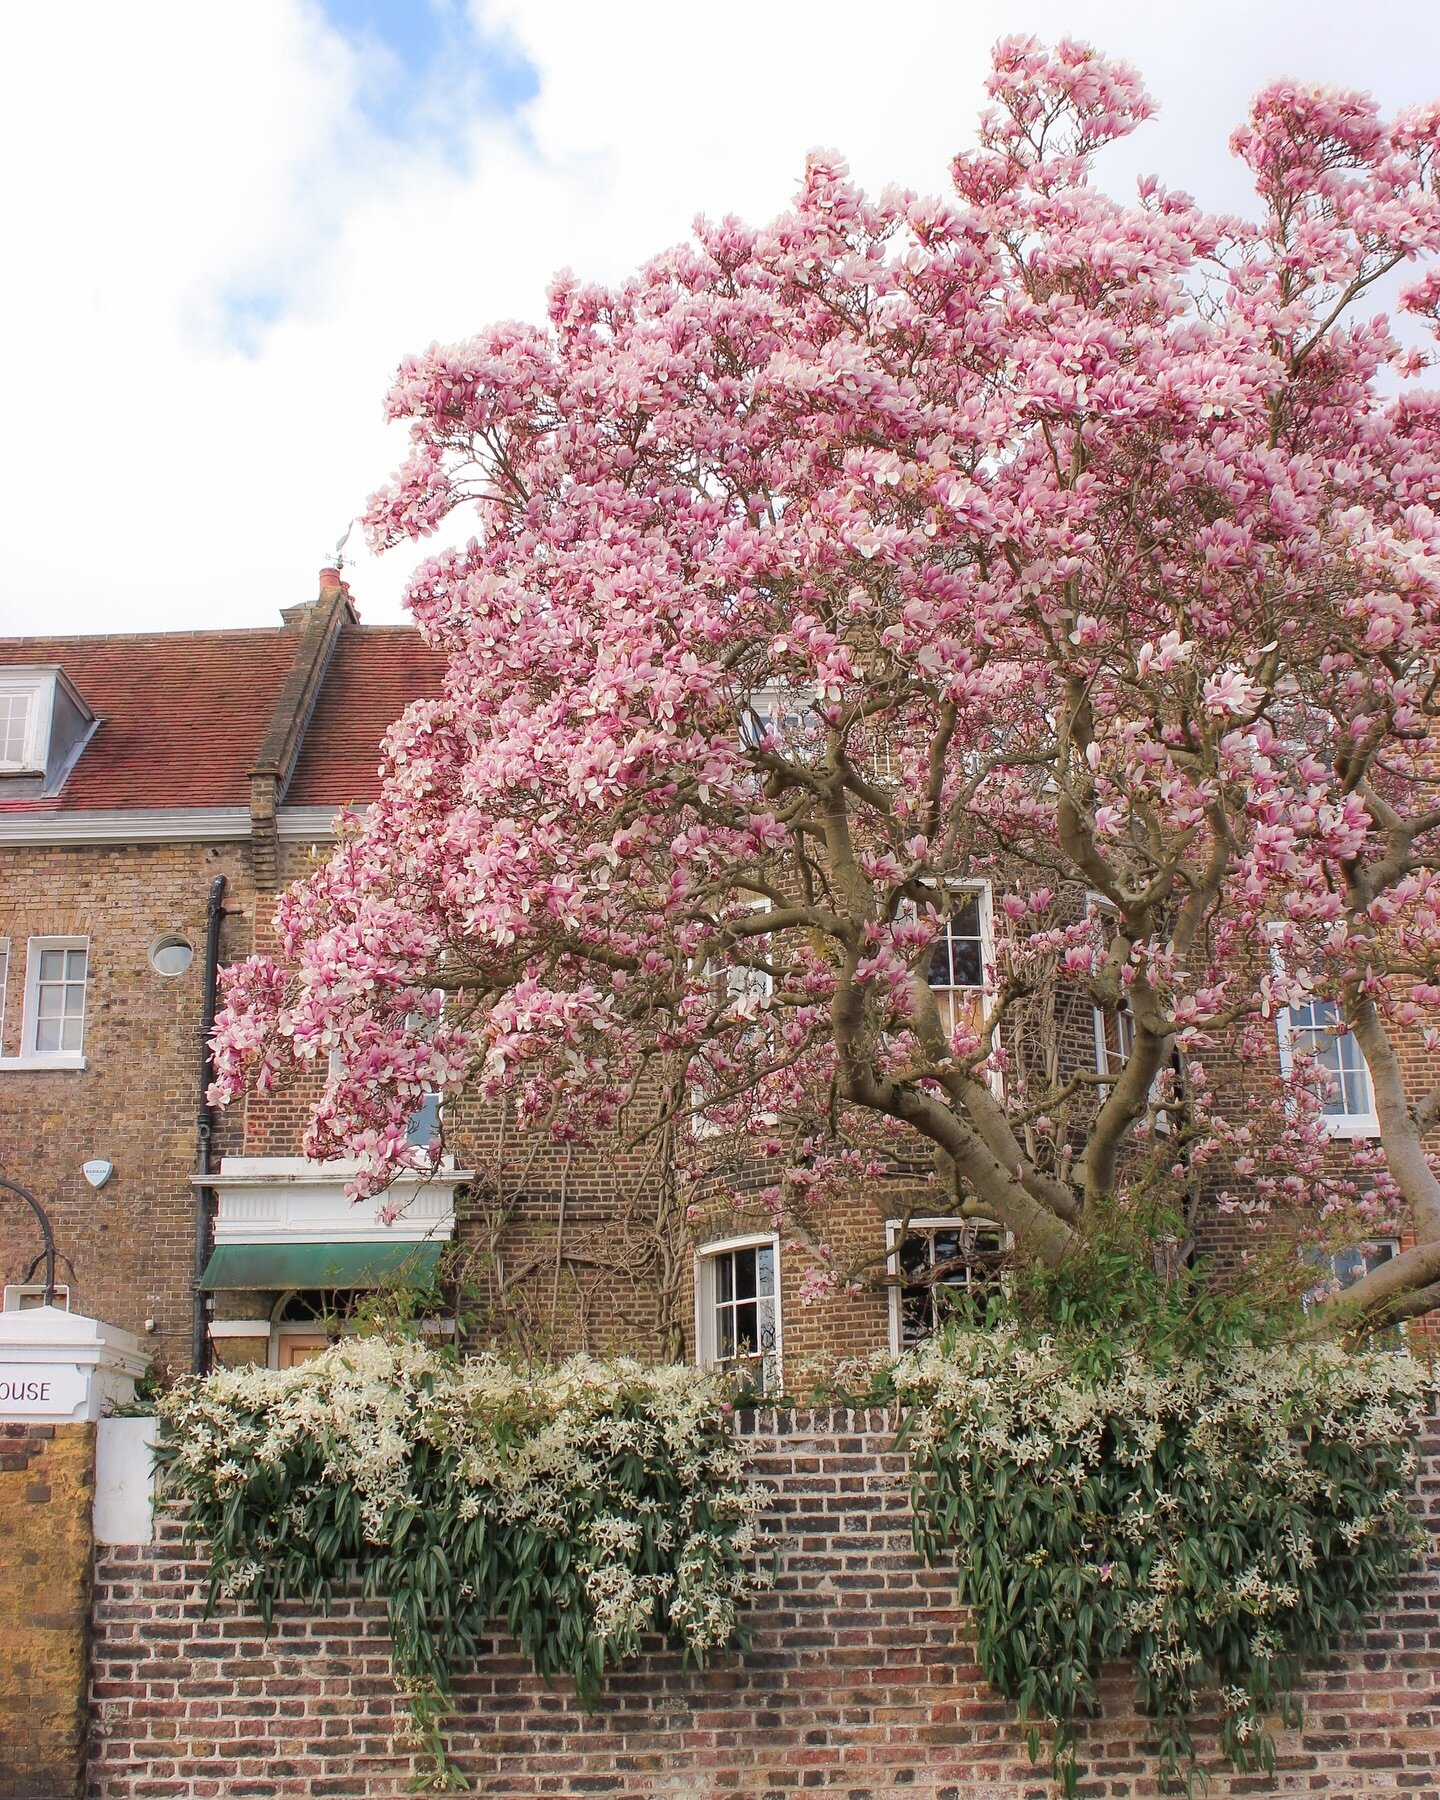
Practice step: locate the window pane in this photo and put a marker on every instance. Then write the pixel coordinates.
(1354, 1076)
(1118, 1036)
(765, 1270)
(766, 1316)
(965, 962)
(1345, 1081)
(955, 956)
(424, 1127)
(944, 1246)
(171, 958)
(47, 1035)
(1349, 1267)
(916, 1323)
(14, 710)
(47, 1001)
(739, 1289)
(52, 965)
(969, 1254)
(1360, 1259)
(70, 1031)
(965, 916)
(74, 1000)
(74, 965)
(914, 1254)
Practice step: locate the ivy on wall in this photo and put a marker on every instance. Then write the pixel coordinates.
(1215, 1515)
(579, 1506)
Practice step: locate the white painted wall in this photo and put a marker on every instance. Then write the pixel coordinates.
(124, 1481)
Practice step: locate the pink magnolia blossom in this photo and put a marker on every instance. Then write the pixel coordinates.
(1020, 537)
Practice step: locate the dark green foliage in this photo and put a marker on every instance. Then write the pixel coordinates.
(577, 1509)
(1144, 1483)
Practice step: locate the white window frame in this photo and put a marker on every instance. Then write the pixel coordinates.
(706, 1346)
(982, 888)
(1121, 1014)
(439, 1137)
(1337, 1125)
(335, 1065)
(944, 1221)
(24, 1296)
(775, 704)
(1387, 1243)
(1103, 1064)
(1328, 1263)
(29, 1057)
(799, 707)
(38, 689)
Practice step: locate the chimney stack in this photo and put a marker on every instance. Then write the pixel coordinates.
(332, 584)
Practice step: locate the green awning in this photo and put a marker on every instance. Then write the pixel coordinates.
(321, 1265)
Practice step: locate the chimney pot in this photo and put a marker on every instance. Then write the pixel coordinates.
(330, 580)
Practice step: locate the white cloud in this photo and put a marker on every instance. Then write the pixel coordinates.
(215, 259)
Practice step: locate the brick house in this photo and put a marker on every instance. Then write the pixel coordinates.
(156, 791)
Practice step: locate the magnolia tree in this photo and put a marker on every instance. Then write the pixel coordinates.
(1017, 541)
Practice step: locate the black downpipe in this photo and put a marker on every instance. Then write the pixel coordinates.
(204, 1118)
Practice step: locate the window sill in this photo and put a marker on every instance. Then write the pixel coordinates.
(69, 1061)
(1367, 1127)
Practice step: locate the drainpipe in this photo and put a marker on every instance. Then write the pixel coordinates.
(205, 1196)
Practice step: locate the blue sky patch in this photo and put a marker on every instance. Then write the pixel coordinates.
(246, 315)
(435, 68)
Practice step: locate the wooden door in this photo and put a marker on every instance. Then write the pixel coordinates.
(299, 1346)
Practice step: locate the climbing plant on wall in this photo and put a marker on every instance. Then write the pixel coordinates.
(578, 1506)
(1147, 1483)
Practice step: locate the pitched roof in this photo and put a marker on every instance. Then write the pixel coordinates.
(182, 714)
(374, 673)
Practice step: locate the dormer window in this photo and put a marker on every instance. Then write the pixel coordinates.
(24, 733)
(43, 724)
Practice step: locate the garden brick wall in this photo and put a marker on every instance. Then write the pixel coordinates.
(859, 1682)
(47, 1483)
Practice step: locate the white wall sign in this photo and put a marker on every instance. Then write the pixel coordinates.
(57, 1366)
(41, 1390)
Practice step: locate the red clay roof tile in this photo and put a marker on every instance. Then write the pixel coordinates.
(182, 714)
(374, 673)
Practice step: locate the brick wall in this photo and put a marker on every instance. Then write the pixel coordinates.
(859, 1683)
(47, 1479)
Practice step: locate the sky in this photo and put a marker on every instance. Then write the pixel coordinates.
(223, 226)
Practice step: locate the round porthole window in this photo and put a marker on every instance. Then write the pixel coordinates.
(171, 955)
